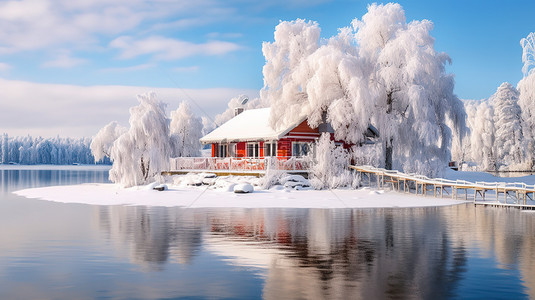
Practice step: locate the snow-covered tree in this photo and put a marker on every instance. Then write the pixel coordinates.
(4, 150)
(528, 53)
(104, 139)
(461, 148)
(526, 101)
(142, 152)
(284, 87)
(207, 125)
(329, 169)
(509, 137)
(411, 91)
(483, 138)
(381, 71)
(57, 151)
(186, 130)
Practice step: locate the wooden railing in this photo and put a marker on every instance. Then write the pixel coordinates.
(519, 192)
(239, 163)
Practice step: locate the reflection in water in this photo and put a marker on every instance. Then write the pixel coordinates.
(82, 251)
(350, 253)
(317, 253)
(307, 253)
(16, 179)
(150, 235)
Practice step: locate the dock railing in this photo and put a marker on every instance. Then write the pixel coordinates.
(517, 193)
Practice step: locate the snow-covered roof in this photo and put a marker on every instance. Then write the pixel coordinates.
(250, 125)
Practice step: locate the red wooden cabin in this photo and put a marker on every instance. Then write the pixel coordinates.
(249, 135)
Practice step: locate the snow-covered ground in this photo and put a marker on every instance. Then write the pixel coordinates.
(110, 194)
(203, 191)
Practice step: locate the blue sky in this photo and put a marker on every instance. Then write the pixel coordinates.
(86, 56)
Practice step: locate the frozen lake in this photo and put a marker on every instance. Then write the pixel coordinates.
(51, 250)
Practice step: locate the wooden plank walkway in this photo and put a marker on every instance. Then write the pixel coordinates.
(519, 195)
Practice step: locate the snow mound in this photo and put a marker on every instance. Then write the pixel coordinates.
(297, 182)
(243, 188)
(161, 187)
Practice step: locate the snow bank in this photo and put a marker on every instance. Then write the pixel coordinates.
(196, 197)
(200, 190)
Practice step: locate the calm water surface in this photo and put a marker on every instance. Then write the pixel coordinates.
(74, 251)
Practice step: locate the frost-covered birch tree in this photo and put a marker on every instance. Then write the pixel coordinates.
(283, 88)
(186, 130)
(142, 152)
(381, 71)
(509, 137)
(526, 88)
(483, 137)
(411, 92)
(104, 139)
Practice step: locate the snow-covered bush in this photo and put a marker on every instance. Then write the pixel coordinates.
(369, 155)
(141, 153)
(331, 165)
(103, 141)
(186, 130)
(271, 177)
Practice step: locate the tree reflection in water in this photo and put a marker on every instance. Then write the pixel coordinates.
(54, 250)
(303, 253)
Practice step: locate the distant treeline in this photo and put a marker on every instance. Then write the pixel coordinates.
(55, 151)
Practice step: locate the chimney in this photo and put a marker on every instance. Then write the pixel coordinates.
(238, 110)
(325, 126)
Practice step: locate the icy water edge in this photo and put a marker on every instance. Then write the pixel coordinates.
(73, 251)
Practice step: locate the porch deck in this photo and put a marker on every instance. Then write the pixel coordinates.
(238, 165)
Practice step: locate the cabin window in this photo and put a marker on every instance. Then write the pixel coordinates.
(232, 149)
(253, 150)
(270, 149)
(301, 148)
(222, 150)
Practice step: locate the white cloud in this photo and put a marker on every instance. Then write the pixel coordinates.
(4, 67)
(40, 24)
(186, 69)
(224, 35)
(168, 49)
(52, 109)
(63, 60)
(130, 68)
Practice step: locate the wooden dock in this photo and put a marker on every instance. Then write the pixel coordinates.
(518, 195)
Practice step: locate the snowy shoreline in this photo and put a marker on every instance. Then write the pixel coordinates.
(202, 197)
(185, 194)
